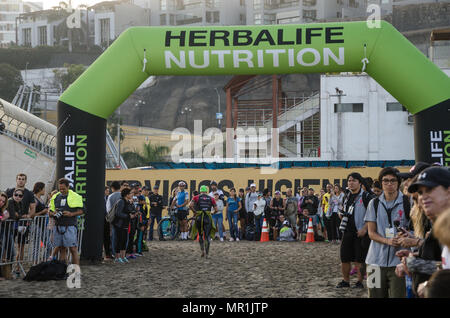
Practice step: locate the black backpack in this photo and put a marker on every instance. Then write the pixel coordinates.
(250, 231)
(51, 270)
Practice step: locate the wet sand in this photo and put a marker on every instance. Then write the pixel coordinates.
(234, 269)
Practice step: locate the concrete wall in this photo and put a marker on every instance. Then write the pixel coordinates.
(13, 160)
(421, 16)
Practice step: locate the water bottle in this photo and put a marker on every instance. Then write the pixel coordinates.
(409, 289)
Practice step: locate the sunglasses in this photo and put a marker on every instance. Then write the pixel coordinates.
(18, 195)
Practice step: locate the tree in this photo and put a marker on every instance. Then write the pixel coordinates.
(150, 153)
(70, 75)
(133, 159)
(10, 81)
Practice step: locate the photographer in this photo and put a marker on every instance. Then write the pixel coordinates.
(65, 207)
(386, 219)
(355, 240)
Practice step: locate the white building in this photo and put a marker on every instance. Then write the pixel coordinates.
(9, 12)
(49, 28)
(301, 11)
(387, 5)
(195, 12)
(366, 124)
(114, 17)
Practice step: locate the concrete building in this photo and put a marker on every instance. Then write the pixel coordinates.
(111, 18)
(49, 28)
(365, 122)
(195, 12)
(301, 11)
(387, 5)
(9, 12)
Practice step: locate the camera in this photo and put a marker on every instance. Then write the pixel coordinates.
(344, 222)
(59, 213)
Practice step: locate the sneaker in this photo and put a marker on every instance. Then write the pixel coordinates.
(358, 284)
(221, 239)
(118, 260)
(131, 256)
(231, 239)
(353, 271)
(139, 254)
(237, 239)
(124, 260)
(343, 284)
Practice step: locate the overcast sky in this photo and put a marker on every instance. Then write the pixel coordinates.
(50, 3)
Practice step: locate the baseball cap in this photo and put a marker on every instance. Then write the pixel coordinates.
(203, 188)
(145, 188)
(216, 193)
(181, 183)
(260, 194)
(141, 198)
(253, 185)
(432, 177)
(415, 170)
(277, 192)
(213, 182)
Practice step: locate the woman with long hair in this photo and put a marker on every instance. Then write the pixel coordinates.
(234, 205)
(124, 213)
(336, 202)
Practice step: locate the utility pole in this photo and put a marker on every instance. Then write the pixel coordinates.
(339, 94)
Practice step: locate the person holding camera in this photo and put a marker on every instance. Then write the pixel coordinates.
(386, 219)
(65, 207)
(355, 240)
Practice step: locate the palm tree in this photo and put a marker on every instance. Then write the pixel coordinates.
(153, 153)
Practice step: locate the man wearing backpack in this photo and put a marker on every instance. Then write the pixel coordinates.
(386, 216)
(355, 240)
(110, 202)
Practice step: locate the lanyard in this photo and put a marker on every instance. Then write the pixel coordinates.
(389, 212)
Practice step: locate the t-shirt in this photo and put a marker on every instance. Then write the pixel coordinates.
(445, 258)
(233, 204)
(259, 209)
(181, 198)
(28, 198)
(325, 202)
(112, 199)
(195, 199)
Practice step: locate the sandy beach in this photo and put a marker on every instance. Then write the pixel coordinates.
(234, 269)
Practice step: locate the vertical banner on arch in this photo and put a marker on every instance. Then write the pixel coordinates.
(81, 160)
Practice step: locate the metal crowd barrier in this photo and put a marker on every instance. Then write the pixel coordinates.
(28, 242)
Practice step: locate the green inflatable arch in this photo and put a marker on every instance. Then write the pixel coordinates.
(385, 54)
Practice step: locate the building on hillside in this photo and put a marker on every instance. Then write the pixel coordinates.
(9, 12)
(114, 17)
(301, 11)
(388, 5)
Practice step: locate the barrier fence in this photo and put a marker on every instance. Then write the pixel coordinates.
(28, 242)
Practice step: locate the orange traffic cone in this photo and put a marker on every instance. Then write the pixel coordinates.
(264, 232)
(310, 233)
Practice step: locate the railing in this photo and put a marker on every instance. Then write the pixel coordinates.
(27, 242)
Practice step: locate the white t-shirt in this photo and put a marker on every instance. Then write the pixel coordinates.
(260, 204)
(445, 258)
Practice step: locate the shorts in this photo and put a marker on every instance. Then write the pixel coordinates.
(354, 248)
(182, 215)
(65, 236)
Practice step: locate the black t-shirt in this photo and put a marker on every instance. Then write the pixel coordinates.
(156, 210)
(39, 206)
(351, 226)
(28, 198)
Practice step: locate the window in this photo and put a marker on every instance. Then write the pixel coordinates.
(104, 31)
(163, 5)
(257, 4)
(42, 35)
(162, 19)
(309, 14)
(395, 107)
(349, 108)
(26, 36)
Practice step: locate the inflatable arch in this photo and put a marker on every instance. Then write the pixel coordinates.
(139, 52)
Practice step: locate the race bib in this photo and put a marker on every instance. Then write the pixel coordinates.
(389, 232)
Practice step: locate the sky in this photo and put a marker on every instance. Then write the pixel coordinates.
(50, 3)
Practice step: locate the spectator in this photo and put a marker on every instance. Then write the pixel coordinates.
(29, 205)
(258, 211)
(242, 213)
(355, 241)
(438, 285)
(433, 187)
(156, 206)
(442, 233)
(332, 213)
(217, 215)
(250, 199)
(146, 193)
(181, 202)
(408, 176)
(278, 226)
(320, 215)
(277, 209)
(6, 239)
(234, 205)
(376, 188)
(41, 210)
(142, 222)
(106, 227)
(131, 242)
(65, 207)
(291, 209)
(113, 198)
(125, 212)
(310, 205)
(385, 215)
(286, 232)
